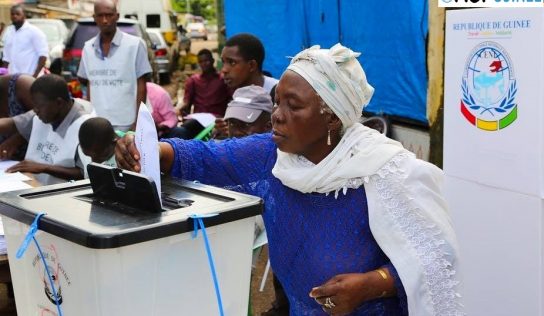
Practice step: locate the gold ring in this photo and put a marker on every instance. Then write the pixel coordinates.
(329, 303)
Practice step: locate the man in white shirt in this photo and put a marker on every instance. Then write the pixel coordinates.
(25, 49)
(115, 65)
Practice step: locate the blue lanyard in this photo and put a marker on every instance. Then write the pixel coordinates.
(197, 221)
(30, 235)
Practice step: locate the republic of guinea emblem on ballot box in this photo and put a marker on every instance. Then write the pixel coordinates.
(489, 88)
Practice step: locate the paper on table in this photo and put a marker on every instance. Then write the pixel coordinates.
(5, 164)
(147, 143)
(205, 119)
(3, 245)
(16, 176)
(6, 186)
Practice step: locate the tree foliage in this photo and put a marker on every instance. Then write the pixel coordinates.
(204, 8)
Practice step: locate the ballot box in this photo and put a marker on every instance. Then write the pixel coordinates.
(107, 258)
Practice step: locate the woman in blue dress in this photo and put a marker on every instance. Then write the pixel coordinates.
(356, 224)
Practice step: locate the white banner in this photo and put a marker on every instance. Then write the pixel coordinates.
(493, 98)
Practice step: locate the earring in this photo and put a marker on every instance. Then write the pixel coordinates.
(329, 138)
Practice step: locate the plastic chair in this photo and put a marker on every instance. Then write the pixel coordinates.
(206, 133)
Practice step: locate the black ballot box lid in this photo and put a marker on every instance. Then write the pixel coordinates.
(73, 212)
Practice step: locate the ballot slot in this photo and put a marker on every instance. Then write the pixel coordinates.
(122, 188)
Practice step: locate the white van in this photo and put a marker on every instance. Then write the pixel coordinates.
(154, 14)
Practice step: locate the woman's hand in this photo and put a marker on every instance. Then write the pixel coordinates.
(126, 154)
(343, 293)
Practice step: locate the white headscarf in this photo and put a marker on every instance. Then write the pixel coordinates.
(338, 78)
(340, 81)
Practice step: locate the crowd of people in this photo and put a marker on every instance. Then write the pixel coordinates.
(356, 224)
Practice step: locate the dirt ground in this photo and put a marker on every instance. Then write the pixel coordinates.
(261, 301)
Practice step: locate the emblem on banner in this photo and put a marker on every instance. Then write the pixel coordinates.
(489, 88)
(59, 277)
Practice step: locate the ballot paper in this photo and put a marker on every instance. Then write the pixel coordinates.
(147, 143)
(12, 181)
(12, 185)
(5, 164)
(205, 119)
(3, 245)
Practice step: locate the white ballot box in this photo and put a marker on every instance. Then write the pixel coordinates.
(494, 154)
(111, 259)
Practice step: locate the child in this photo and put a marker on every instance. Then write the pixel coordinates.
(97, 140)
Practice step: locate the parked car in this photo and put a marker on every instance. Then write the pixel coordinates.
(85, 29)
(56, 33)
(197, 30)
(163, 57)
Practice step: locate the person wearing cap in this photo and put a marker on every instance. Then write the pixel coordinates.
(356, 224)
(249, 112)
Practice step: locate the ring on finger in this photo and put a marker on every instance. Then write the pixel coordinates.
(329, 303)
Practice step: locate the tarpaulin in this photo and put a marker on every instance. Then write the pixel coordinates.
(391, 35)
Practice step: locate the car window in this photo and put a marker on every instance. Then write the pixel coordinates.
(82, 33)
(153, 20)
(155, 38)
(195, 26)
(130, 29)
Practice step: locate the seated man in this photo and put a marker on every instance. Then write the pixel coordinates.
(51, 130)
(14, 100)
(249, 112)
(206, 92)
(97, 140)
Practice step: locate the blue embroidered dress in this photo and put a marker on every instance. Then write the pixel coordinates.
(312, 237)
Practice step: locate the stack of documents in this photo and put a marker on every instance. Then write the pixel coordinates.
(10, 182)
